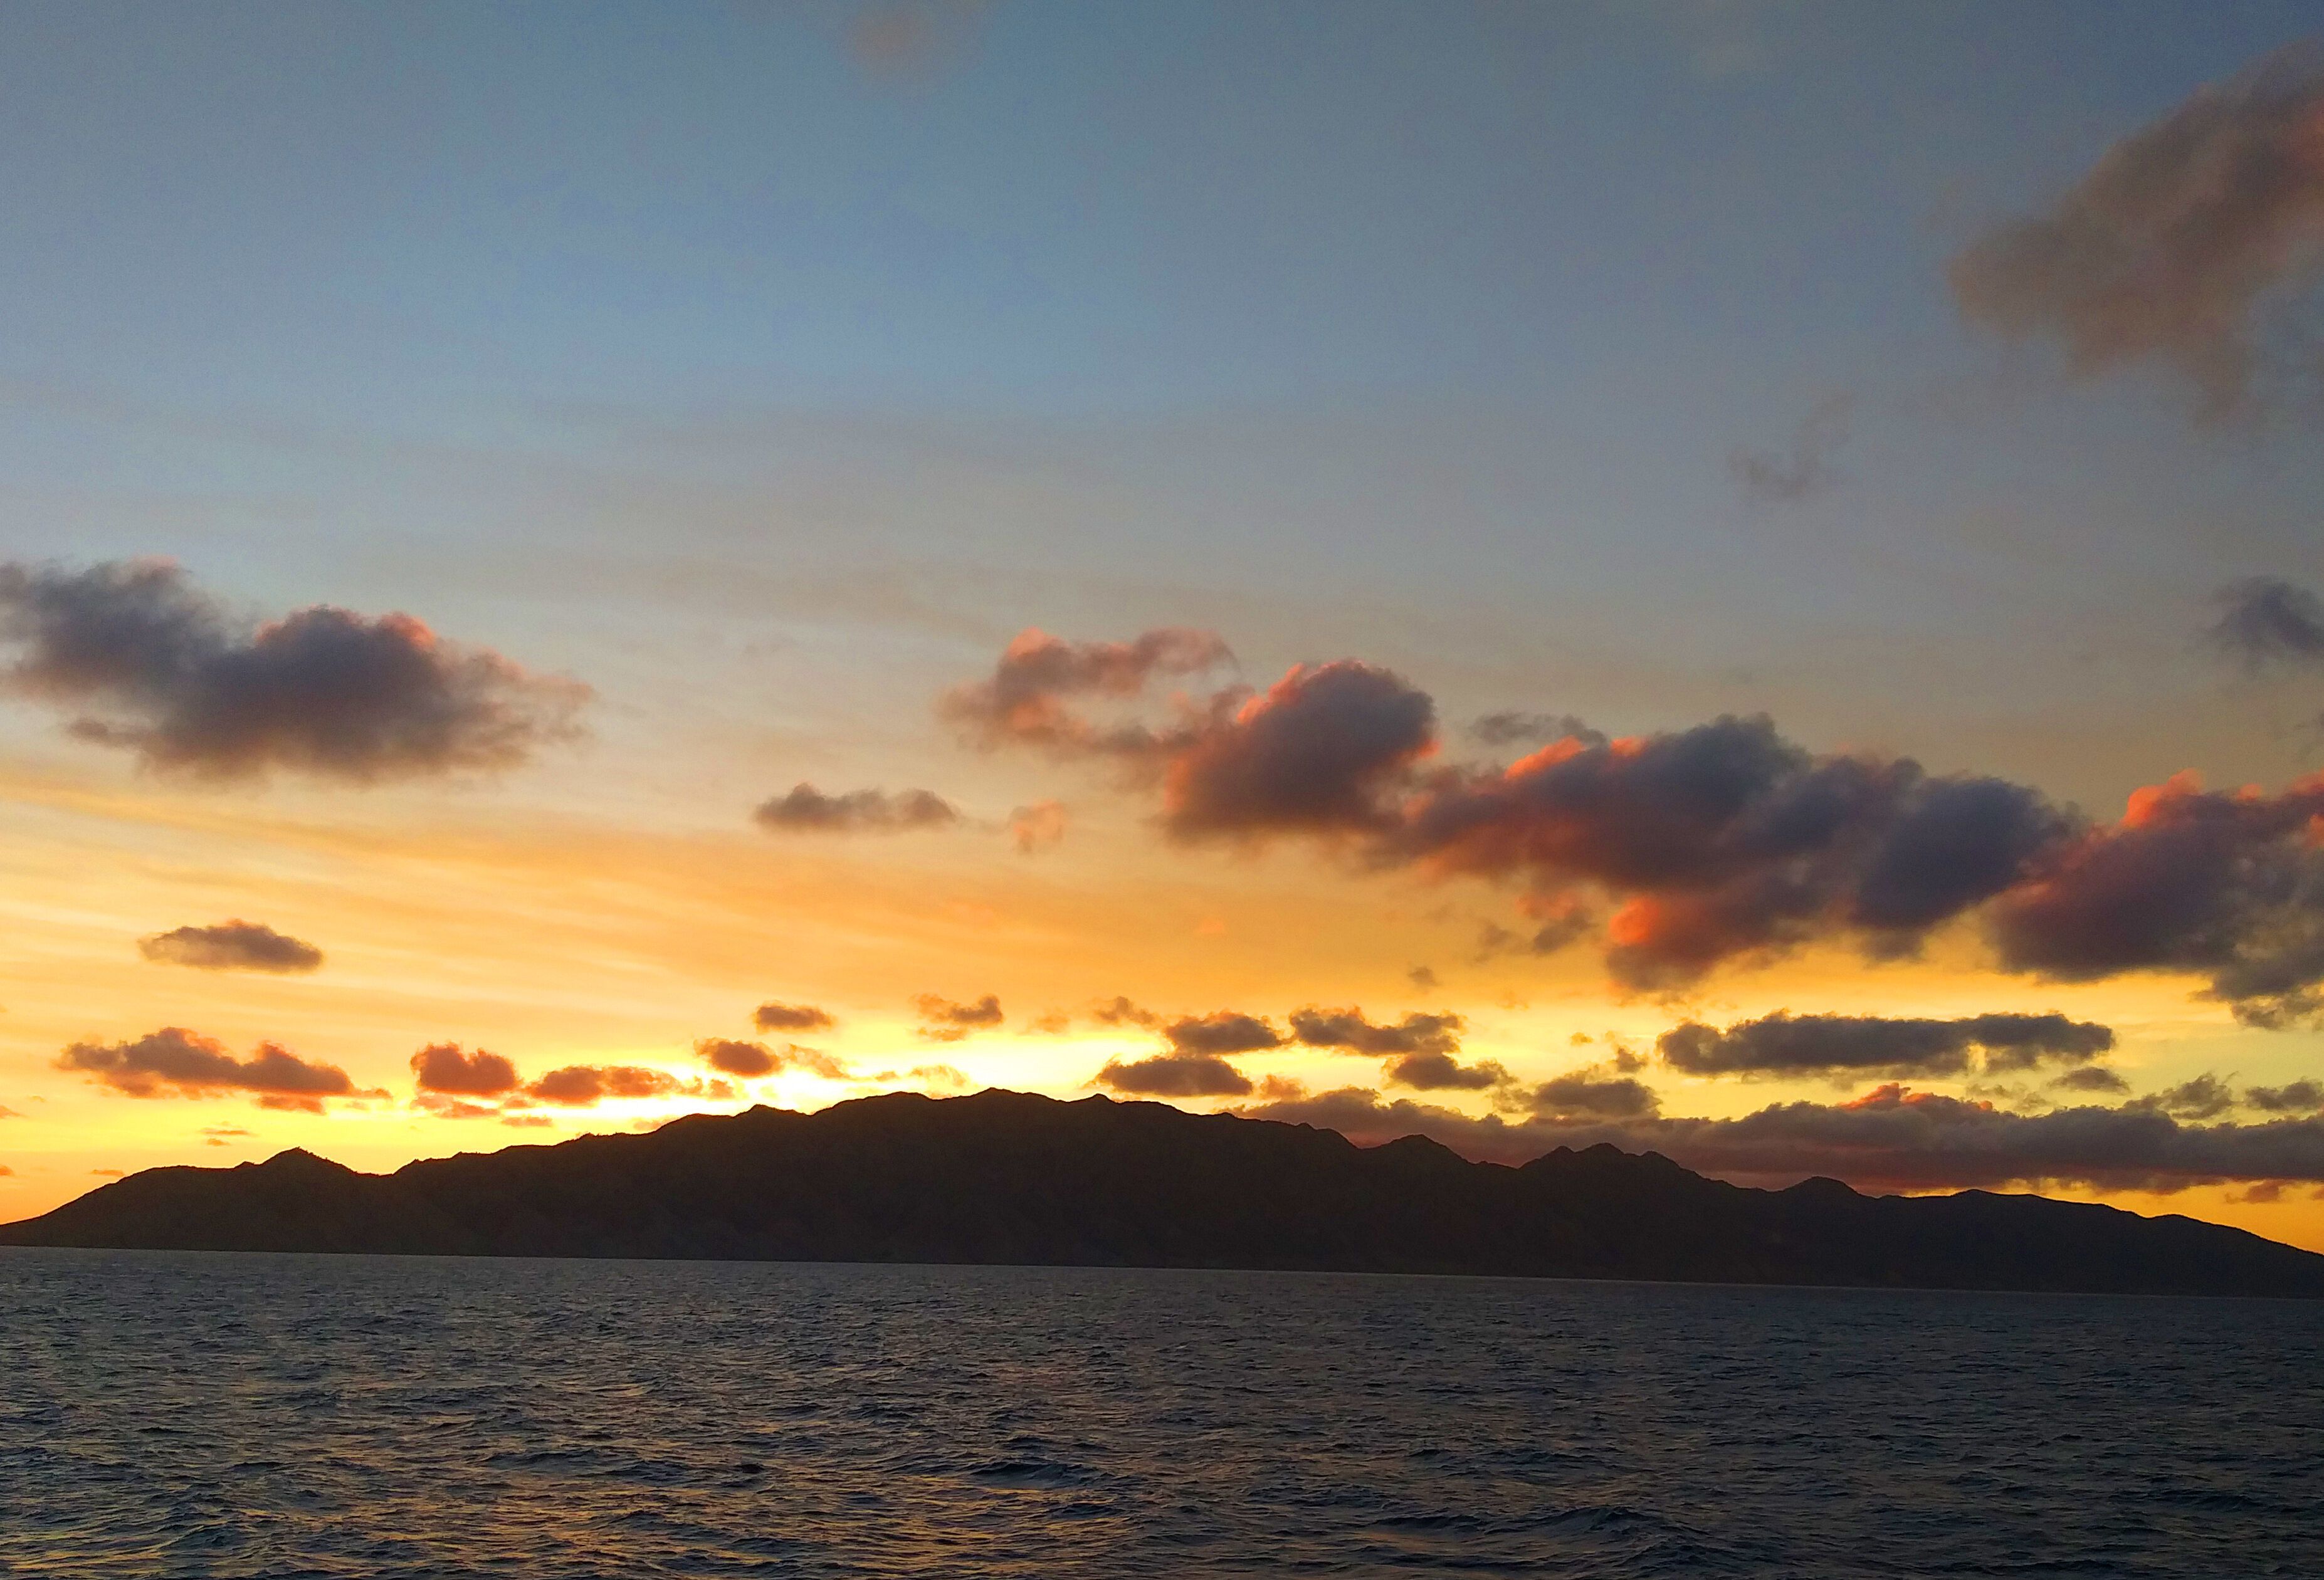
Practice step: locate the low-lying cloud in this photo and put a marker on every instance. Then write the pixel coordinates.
(1224, 1031)
(1349, 1030)
(1175, 1075)
(751, 1060)
(772, 1016)
(144, 660)
(942, 1020)
(175, 1062)
(1788, 1046)
(1891, 1138)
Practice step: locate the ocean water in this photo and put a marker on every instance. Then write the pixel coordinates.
(180, 1415)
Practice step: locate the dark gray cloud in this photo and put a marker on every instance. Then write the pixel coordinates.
(943, 1021)
(174, 1063)
(1889, 1139)
(145, 660)
(2177, 243)
(1175, 1075)
(1314, 754)
(1593, 1094)
(1348, 1029)
(2206, 1097)
(2091, 1077)
(2267, 621)
(2300, 1096)
(806, 810)
(1436, 1071)
(772, 1016)
(1802, 469)
(1727, 843)
(446, 1069)
(1222, 1030)
(2227, 885)
(231, 946)
(1784, 1045)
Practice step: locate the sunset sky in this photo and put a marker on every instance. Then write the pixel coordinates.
(1737, 578)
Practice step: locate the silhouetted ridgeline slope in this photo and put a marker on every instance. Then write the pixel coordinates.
(1003, 1176)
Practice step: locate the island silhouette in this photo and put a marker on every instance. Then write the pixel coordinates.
(1011, 1178)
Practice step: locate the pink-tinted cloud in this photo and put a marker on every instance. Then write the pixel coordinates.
(2178, 242)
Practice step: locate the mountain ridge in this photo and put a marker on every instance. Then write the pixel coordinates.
(1015, 1177)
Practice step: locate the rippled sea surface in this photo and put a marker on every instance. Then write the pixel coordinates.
(171, 1414)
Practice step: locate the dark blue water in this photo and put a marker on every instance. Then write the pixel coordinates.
(196, 1415)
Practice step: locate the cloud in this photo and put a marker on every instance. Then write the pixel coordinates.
(1315, 754)
(231, 946)
(8, 1113)
(1889, 1139)
(2300, 1097)
(2091, 1077)
(1727, 843)
(2265, 620)
(771, 1016)
(1727, 839)
(446, 1069)
(1348, 1029)
(938, 1075)
(1769, 477)
(1436, 1071)
(1224, 1031)
(162, 670)
(2228, 884)
(584, 1086)
(1176, 1075)
(2206, 1097)
(1422, 978)
(1025, 701)
(1517, 728)
(1593, 1094)
(806, 810)
(1784, 1045)
(910, 38)
(174, 1063)
(749, 1061)
(2177, 243)
(1039, 826)
(943, 1021)
(1121, 1012)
